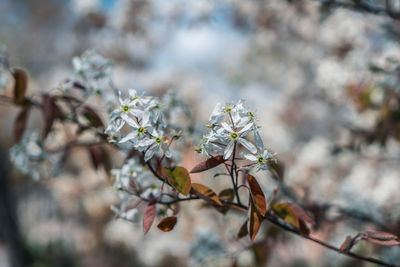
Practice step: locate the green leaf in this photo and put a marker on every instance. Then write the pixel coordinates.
(179, 178)
(284, 211)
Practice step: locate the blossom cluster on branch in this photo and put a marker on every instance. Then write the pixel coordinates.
(153, 132)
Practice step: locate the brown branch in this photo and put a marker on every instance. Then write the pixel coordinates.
(276, 221)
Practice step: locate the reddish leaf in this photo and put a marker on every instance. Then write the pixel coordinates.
(21, 82)
(51, 111)
(381, 238)
(278, 169)
(20, 124)
(92, 117)
(179, 178)
(208, 164)
(346, 245)
(243, 230)
(257, 195)
(205, 193)
(301, 214)
(167, 224)
(149, 216)
(95, 153)
(255, 222)
(225, 195)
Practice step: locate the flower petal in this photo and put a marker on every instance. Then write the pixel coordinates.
(248, 145)
(226, 127)
(128, 137)
(229, 149)
(250, 157)
(245, 129)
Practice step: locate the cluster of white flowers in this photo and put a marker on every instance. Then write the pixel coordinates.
(206, 248)
(229, 125)
(4, 71)
(134, 178)
(133, 181)
(93, 72)
(28, 155)
(146, 116)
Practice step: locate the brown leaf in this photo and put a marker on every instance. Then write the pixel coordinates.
(243, 230)
(208, 164)
(346, 245)
(227, 194)
(167, 224)
(21, 82)
(255, 222)
(92, 117)
(294, 215)
(278, 169)
(20, 124)
(51, 111)
(257, 195)
(149, 216)
(205, 193)
(381, 238)
(349, 242)
(179, 178)
(301, 214)
(95, 153)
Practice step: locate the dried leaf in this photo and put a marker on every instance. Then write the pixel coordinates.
(208, 164)
(20, 124)
(243, 230)
(294, 215)
(381, 238)
(92, 117)
(179, 178)
(95, 156)
(257, 195)
(301, 214)
(167, 224)
(255, 222)
(227, 194)
(205, 193)
(149, 216)
(51, 111)
(346, 245)
(21, 82)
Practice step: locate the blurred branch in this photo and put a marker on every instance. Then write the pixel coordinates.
(390, 8)
(278, 222)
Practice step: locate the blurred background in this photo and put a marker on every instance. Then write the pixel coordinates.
(321, 75)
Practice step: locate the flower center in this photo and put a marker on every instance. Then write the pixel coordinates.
(158, 140)
(125, 108)
(261, 160)
(234, 136)
(141, 130)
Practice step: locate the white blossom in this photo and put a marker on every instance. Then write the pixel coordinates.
(261, 159)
